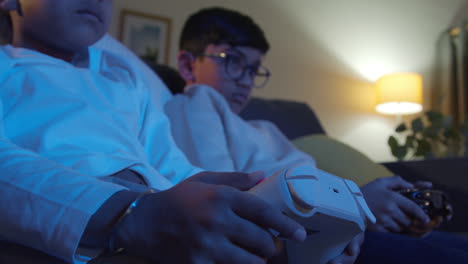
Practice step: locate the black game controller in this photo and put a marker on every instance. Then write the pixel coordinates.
(435, 203)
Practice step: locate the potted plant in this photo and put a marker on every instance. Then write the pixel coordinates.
(431, 135)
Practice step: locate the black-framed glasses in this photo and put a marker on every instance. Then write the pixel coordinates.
(235, 66)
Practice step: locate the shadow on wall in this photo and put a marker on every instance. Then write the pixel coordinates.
(314, 72)
(304, 56)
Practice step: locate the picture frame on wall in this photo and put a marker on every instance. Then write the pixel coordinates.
(147, 35)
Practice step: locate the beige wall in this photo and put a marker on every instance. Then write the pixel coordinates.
(328, 53)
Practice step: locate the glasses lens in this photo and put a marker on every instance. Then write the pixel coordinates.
(235, 65)
(261, 77)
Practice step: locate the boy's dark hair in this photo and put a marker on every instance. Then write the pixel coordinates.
(5, 28)
(170, 76)
(219, 25)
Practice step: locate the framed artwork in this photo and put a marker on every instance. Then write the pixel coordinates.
(146, 35)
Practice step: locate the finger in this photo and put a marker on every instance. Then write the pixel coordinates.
(431, 224)
(437, 221)
(351, 250)
(423, 184)
(238, 180)
(400, 217)
(257, 176)
(396, 182)
(343, 259)
(232, 254)
(254, 209)
(420, 229)
(389, 224)
(346, 259)
(377, 228)
(251, 236)
(411, 209)
(279, 244)
(354, 246)
(337, 260)
(418, 232)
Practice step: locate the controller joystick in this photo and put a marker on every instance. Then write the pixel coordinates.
(435, 203)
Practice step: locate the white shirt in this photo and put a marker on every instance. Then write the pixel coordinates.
(215, 138)
(64, 127)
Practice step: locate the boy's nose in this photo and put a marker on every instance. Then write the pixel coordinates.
(247, 81)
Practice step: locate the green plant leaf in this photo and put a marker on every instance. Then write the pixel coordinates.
(400, 152)
(401, 128)
(447, 122)
(434, 116)
(410, 141)
(431, 131)
(392, 142)
(397, 151)
(423, 148)
(417, 125)
(429, 135)
(452, 133)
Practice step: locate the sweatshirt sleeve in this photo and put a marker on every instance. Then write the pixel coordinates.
(155, 136)
(45, 205)
(157, 140)
(214, 138)
(275, 152)
(197, 128)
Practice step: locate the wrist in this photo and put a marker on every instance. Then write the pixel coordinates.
(123, 224)
(100, 225)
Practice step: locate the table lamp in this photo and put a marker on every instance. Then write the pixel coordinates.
(399, 94)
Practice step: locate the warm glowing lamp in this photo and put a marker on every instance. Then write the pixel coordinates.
(399, 94)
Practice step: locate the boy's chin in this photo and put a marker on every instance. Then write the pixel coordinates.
(86, 38)
(80, 44)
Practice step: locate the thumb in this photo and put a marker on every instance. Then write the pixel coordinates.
(239, 180)
(396, 182)
(423, 184)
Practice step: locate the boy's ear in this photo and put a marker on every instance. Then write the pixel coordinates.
(9, 5)
(185, 61)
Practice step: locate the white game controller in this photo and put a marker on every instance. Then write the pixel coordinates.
(331, 209)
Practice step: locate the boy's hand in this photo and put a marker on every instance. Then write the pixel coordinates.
(351, 252)
(238, 180)
(422, 185)
(418, 228)
(393, 211)
(200, 222)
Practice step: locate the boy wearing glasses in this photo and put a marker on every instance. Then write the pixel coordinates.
(220, 60)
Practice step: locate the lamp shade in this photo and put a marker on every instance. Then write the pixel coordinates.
(399, 93)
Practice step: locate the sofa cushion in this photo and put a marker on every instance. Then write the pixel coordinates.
(294, 119)
(340, 159)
